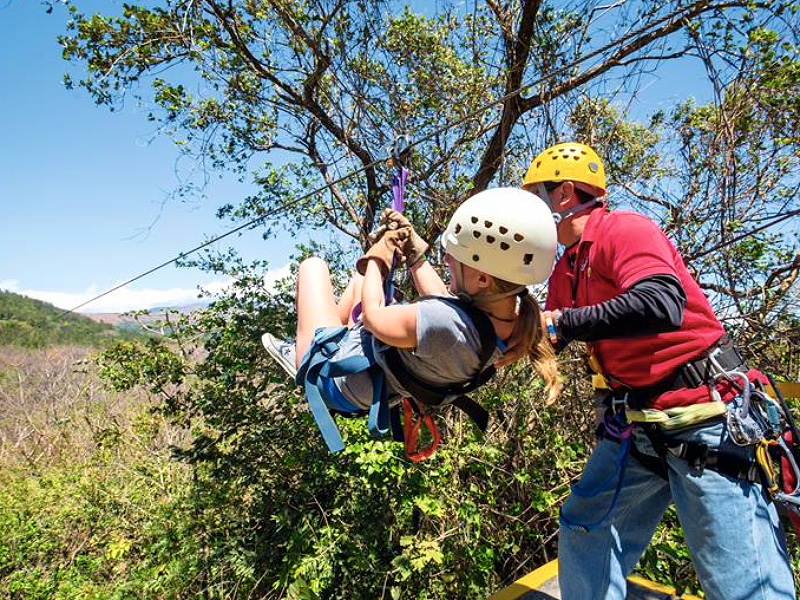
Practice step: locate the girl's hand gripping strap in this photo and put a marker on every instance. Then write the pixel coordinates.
(399, 182)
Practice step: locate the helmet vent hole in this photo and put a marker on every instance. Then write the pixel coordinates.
(490, 239)
(476, 234)
(474, 219)
(458, 228)
(576, 157)
(518, 237)
(487, 224)
(527, 259)
(475, 257)
(503, 230)
(504, 246)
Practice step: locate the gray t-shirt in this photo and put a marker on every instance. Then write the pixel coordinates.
(447, 352)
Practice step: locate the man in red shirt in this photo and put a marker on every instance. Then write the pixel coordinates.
(622, 287)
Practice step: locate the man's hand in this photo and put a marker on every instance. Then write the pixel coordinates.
(550, 320)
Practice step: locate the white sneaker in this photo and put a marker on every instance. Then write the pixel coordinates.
(283, 352)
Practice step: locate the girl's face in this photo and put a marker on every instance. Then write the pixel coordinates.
(452, 269)
(468, 280)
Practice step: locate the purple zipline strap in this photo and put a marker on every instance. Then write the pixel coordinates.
(399, 182)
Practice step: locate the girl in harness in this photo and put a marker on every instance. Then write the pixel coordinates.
(497, 242)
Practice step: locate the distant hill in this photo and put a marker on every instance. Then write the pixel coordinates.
(36, 324)
(125, 322)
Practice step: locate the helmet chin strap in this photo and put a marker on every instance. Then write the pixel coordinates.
(484, 299)
(458, 279)
(558, 217)
(542, 192)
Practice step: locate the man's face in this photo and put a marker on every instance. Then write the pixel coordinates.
(547, 191)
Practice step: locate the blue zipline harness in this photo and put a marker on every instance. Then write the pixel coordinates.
(319, 367)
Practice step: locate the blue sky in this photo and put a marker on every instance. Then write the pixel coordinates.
(83, 191)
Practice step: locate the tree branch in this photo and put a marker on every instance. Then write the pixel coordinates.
(516, 61)
(516, 106)
(306, 99)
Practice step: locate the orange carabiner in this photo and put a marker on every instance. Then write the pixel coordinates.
(413, 420)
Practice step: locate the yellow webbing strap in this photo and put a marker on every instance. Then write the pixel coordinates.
(680, 416)
(767, 466)
(599, 382)
(672, 418)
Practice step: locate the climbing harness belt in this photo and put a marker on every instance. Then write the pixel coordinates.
(762, 426)
(319, 367)
(723, 357)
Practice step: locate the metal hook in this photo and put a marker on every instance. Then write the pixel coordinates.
(400, 150)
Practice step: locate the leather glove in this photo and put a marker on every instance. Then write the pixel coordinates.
(393, 241)
(384, 224)
(415, 247)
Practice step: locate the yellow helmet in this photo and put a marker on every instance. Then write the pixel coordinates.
(568, 162)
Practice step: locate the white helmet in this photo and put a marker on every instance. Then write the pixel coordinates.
(506, 232)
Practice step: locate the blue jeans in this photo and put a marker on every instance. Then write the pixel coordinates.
(732, 530)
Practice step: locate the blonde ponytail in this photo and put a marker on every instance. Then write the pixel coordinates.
(540, 350)
(529, 339)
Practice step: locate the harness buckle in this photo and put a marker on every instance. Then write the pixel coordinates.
(694, 377)
(619, 405)
(717, 369)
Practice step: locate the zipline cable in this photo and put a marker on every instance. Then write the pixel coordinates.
(226, 234)
(432, 135)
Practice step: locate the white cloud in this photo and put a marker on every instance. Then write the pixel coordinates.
(129, 298)
(272, 276)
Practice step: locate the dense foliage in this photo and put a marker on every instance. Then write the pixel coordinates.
(35, 324)
(91, 503)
